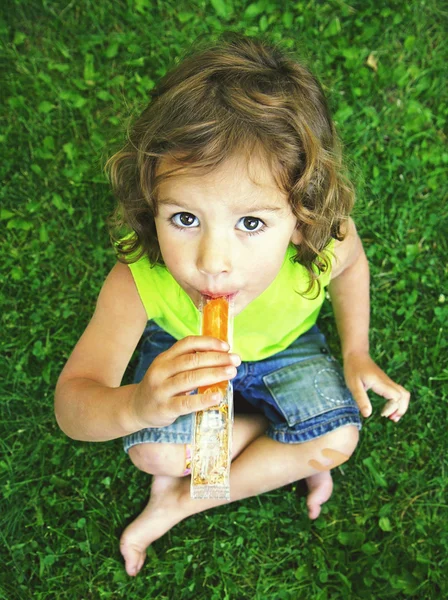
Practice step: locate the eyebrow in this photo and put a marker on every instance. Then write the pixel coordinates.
(261, 208)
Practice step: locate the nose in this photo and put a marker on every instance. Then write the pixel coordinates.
(214, 255)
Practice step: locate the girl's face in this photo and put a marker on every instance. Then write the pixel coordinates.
(222, 234)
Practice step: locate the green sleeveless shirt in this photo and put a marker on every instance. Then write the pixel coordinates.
(266, 326)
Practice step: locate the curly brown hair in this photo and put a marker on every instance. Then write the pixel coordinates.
(235, 95)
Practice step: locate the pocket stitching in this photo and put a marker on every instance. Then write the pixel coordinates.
(341, 379)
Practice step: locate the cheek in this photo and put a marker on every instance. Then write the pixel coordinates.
(271, 251)
(265, 262)
(173, 256)
(169, 245)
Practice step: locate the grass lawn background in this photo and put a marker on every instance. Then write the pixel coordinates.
(73, 73)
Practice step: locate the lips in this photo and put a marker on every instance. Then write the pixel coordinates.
(209, 294)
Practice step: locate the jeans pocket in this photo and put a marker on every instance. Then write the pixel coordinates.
(308, 388)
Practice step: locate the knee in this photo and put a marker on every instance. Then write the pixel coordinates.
(345, 439)
(335, 448)
(144, 457)
(157, 459)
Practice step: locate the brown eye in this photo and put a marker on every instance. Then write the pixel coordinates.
(184, 220)
(251, 224)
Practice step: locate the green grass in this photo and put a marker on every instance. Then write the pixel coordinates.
(73, 73)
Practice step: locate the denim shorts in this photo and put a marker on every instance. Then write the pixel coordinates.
(301, 391)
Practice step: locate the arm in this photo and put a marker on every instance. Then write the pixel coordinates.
(349, 292)
(90, 405)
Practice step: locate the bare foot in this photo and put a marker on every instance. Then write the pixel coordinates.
(320, 487)
(161, 513)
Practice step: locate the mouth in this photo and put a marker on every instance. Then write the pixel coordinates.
(213, 295)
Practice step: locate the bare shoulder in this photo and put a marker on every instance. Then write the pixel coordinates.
(109, 340)
(119, 294)
(348, 251)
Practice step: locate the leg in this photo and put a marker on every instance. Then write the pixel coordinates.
(282, 464)
(168, 462)
(297, 461)
(169, 459)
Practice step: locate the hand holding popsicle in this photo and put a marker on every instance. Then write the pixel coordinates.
(194, 362)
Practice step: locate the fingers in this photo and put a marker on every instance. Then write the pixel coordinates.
(183, 405)
(190, 380)
(362, 399)
(362, 374)
(398, 398)
(191, 363)
(196, 343)
(199, 360)
(386, 388)
(190, 371)
(395, 408)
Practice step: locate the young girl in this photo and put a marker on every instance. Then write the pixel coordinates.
(230, 185)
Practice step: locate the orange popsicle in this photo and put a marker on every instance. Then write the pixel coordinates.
(215, 322)
(212, 433)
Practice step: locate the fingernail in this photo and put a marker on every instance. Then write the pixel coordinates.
(211, 399)
(235, 359)
(225, 346)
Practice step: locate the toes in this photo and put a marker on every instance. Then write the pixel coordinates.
(134, 558)
(133, 566)
(313, 511)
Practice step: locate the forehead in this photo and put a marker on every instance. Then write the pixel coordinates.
(237, 178)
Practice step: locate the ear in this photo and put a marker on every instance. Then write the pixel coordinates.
(296, 237)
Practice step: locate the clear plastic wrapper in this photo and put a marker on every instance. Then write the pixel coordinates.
(212, 429)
